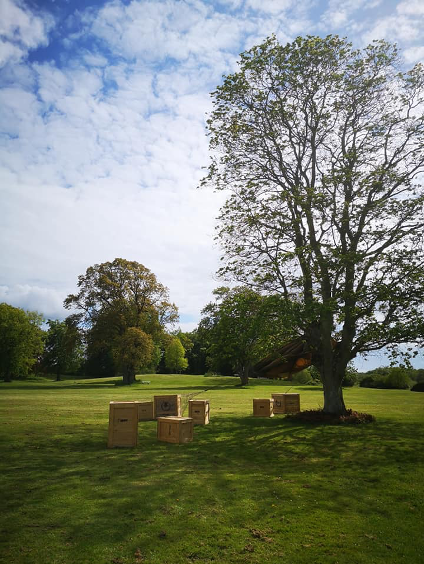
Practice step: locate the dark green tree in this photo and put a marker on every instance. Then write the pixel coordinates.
(242, 327)
(21, 341)
(131, 351)
(63, 350)
(115, 296)
(321, 148)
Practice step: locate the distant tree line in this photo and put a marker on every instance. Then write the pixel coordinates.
(121, 325)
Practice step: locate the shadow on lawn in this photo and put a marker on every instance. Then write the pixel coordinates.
(236, 470)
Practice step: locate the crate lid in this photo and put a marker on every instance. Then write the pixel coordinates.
(174, 418)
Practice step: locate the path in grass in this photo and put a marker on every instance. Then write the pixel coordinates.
(246, 490)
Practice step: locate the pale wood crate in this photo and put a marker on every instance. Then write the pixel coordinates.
(145, 410)
(286, 403)
(263, 407)
(123, 424)
(165, 406)
(175, 429)
(199, 411)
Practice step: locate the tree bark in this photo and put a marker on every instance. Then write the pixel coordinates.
(333, 394)
(128, 377)
(244, 375)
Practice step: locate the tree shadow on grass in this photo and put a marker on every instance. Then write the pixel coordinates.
(237, 471)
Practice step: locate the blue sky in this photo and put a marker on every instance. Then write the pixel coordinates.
(102, 137)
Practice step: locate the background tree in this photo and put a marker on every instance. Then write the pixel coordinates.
(243, 327)
(114, 296)
(21, 341)
(175, 359)
(321, 147)
(132, 351)
(63, 349)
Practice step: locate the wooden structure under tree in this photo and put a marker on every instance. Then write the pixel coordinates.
(292, 357)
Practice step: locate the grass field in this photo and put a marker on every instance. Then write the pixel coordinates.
(246, 490)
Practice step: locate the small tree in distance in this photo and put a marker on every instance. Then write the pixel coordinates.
(321, 147)
(175, 359)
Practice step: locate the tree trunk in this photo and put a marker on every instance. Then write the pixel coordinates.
(333, 399)
(333, 394)
(128, 377)
(244, 375)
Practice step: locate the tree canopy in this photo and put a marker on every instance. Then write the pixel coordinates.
(114, 297)
(21, 341)
(321, 148)
(175, 359)
(63, 349)
(242, 327)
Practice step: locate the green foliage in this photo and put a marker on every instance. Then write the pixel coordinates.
(320, 146)
(350, 377)
(241, 327)
(175, 359)
(132, 350)
(113, 297)
(302, 378)
(387, 377)
(419, 387)
(63, 351)
(21, 341)
(397, 379)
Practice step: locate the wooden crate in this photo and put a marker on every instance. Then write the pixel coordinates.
(175, 429)
(263, 407)
(198, 410)
(145, 410)
(123, 424)
(167, 406)
(286, 403)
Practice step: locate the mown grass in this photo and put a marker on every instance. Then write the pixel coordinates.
(246, 490)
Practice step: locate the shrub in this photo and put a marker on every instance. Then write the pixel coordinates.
(397, 379)
(350, 377)
(418, 387)
(373, 382)
(302, 377)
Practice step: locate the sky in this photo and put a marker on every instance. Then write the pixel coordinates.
(103, 108)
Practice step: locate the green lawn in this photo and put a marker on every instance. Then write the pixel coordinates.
(246, 490)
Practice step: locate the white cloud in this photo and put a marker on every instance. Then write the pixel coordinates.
(46, 301)
(411, 8)
(21, 30)
(103, 154)
(414, 54)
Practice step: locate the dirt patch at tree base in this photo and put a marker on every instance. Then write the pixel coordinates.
(318, 416)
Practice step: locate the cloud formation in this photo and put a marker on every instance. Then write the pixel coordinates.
(103, 138)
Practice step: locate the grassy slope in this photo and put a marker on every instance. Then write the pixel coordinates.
(246, 490)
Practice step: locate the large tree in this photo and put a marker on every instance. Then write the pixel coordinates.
(242, 327)
(63, 349)
(115, 296)
(321, 148)
(21, 341)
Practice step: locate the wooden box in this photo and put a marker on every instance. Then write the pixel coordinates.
(167, 406)
(145, 410)
(286, 403)
(123, 424)
(263, 407)
(198, 410)
(175, 429)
